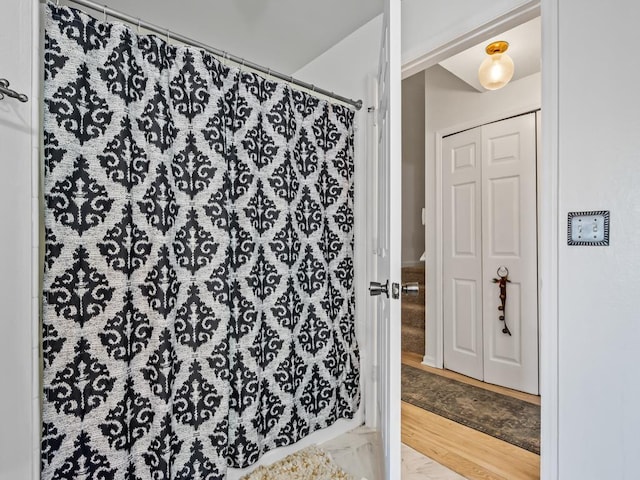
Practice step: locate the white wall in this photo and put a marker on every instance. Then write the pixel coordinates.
(412, 169)
(452, 105)
(599, 308)
(19, 382)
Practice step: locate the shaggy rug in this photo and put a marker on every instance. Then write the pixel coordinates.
(312, 463)
(507, 418)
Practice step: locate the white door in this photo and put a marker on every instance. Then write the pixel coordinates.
(490, 224)
(509, 239)
(389, 240)
(19, 435)
(462, 252)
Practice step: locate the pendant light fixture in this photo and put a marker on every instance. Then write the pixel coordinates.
(497, 69)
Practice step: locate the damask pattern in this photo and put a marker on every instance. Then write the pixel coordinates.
(198, 283)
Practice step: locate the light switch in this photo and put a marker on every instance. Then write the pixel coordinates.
(588, 228)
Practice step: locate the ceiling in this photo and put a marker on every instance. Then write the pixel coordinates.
(283, 35)
(524, 48)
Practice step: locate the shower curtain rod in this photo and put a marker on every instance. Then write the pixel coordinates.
(107, 11)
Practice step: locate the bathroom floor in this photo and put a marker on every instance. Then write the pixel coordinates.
(357, 452)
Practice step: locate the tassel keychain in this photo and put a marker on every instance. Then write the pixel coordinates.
(502, 280)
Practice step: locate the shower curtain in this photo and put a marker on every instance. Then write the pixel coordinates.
(198, 285)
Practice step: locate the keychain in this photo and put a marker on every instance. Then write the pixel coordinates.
(502, 280)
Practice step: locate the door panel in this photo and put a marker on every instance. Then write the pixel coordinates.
(510, 239)
(464, 220)
(389, 238)
(464, 317)
(462, 253)
(504, 216)
(19, 288)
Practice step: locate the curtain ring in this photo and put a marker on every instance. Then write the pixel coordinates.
(138, 25)
(242, 64)
(57, 3)
(168, 35)
(313, 88)
(104, 12)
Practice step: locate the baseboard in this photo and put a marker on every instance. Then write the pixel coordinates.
(430, 361)
(415, 263)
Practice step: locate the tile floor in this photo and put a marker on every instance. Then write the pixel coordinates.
(416, 466)
(357, 452)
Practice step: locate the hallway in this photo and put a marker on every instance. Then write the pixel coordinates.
(473, 454)
(470, 453)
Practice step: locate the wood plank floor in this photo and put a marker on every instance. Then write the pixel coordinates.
(470, 453)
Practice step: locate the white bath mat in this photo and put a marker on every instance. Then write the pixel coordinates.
(312, 463)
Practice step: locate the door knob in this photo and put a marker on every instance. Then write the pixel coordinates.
(411, 288)
(376, 288)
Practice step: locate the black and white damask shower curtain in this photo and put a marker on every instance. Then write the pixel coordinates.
(198, 295)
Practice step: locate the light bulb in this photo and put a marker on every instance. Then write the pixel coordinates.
(497, 69)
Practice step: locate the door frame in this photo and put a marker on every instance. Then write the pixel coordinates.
(548, 212)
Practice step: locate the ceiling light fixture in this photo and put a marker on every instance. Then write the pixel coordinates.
(497, 69)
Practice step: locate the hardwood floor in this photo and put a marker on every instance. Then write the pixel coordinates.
(470, 453)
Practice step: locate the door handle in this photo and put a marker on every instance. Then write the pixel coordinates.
(6, 91)
(376, 288)
(411, 288)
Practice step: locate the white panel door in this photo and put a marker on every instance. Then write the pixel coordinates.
(389, 239)
(19, 289)
(509, 226)
(462, 252)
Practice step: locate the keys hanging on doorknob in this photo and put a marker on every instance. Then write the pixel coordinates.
(502, 280)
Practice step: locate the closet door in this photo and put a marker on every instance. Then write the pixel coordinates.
(509, 239)
(462, 252)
